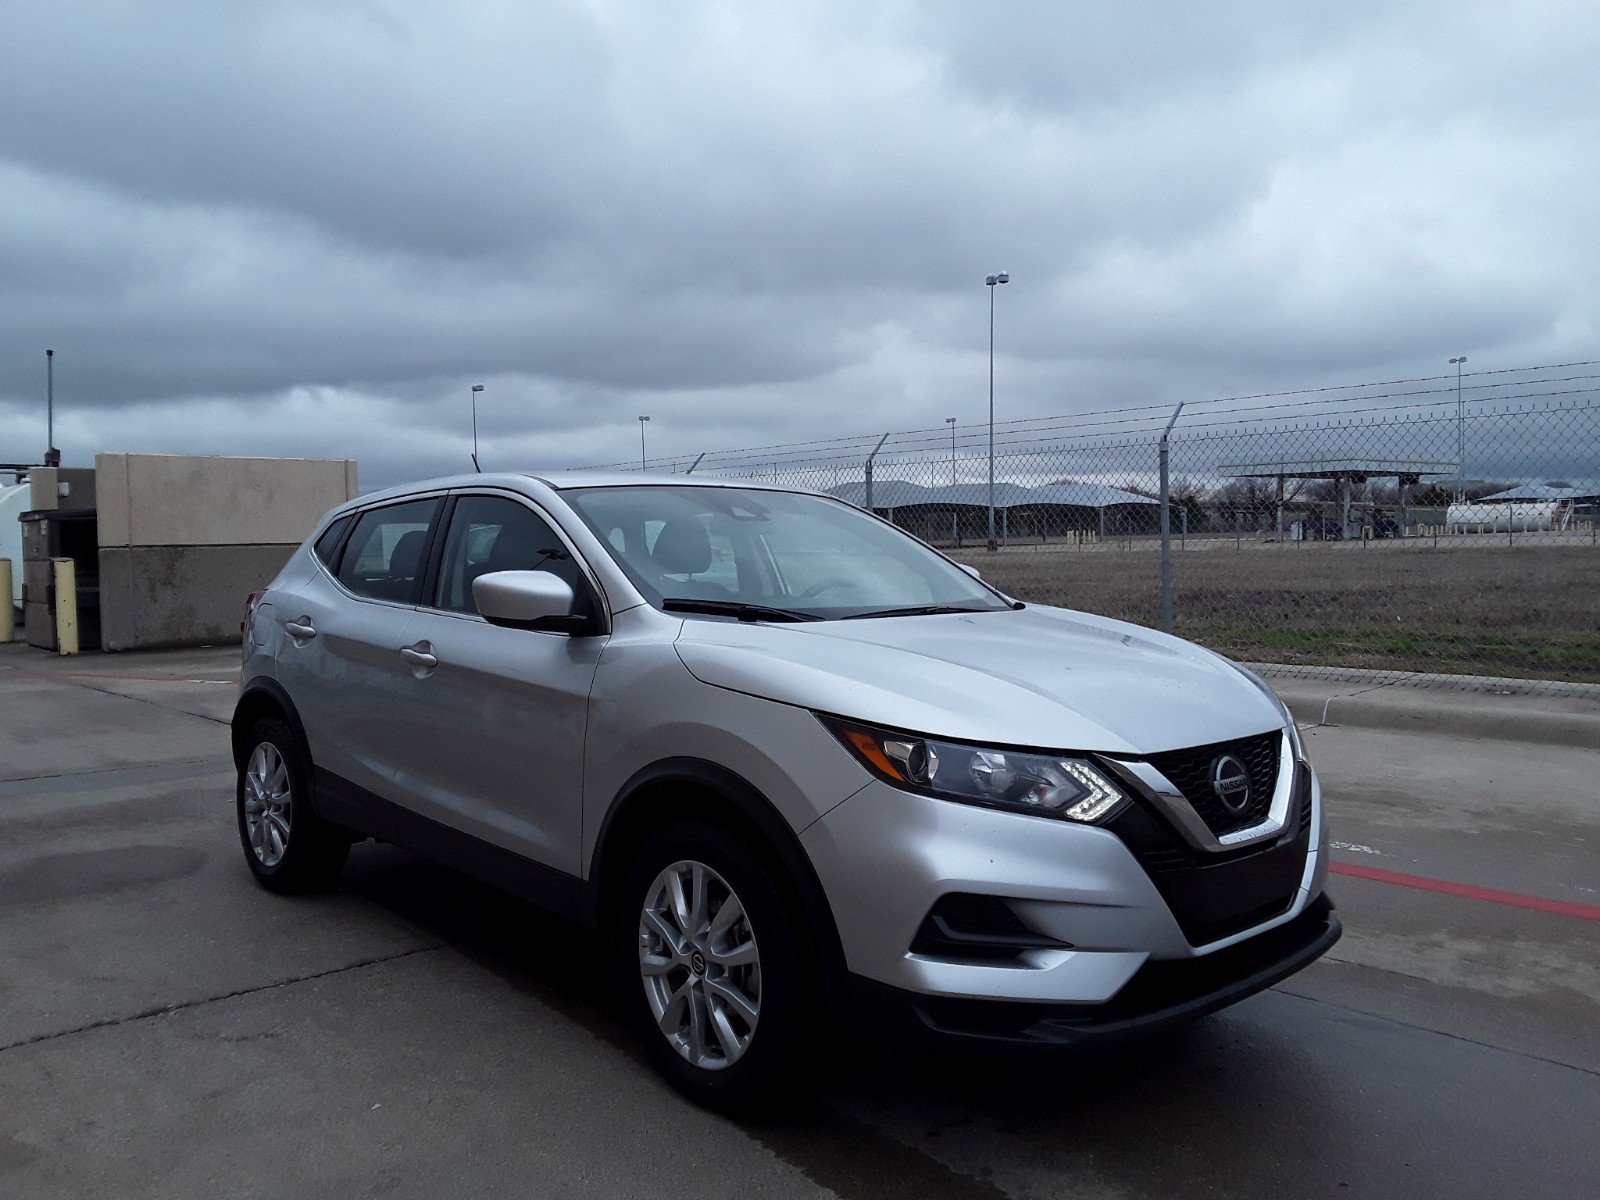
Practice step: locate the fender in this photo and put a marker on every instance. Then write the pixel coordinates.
(747, 800)
(331, 798)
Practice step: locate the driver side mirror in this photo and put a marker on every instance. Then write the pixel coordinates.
(528, 600)
(971, 570)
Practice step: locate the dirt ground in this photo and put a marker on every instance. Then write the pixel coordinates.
(1530, 610)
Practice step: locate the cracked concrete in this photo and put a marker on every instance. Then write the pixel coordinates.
(167, 1028)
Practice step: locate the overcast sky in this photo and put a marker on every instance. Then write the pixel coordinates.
(307, 228)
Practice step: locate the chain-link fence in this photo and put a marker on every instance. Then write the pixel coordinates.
(1443, 527)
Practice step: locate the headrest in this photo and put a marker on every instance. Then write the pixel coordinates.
(406, 561)
(516, 548)
(683, 547)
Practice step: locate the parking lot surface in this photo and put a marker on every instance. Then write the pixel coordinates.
(168, 1029)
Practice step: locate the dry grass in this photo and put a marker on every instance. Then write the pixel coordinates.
(1530, 611)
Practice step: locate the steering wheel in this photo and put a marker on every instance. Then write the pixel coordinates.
(823, 585)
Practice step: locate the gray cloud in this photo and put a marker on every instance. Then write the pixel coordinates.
(305, 228)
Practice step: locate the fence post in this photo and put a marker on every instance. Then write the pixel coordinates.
(695, 463)
(1166, 527)
(870, 457)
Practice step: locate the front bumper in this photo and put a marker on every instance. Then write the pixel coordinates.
(885, 857)
(1159, 996)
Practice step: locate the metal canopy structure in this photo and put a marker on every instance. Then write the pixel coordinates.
(1355, 469)
(1040, 507)
(901, 493)
(1346, 472)
(1534, 492)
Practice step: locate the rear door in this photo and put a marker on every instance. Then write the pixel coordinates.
(343, 630)
(489, 738)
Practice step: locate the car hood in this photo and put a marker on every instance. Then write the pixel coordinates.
(1036, 676)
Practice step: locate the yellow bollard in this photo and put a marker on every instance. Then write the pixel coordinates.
(66, 581)
(8, 617)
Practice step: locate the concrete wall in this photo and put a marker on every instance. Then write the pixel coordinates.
(180, 595)
(182, 500)
(183, 540)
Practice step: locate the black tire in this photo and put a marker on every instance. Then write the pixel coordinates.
(310, 857)
(773, 1072)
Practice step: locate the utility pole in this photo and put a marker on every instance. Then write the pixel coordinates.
(642, 421)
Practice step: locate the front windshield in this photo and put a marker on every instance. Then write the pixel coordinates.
(800, 553)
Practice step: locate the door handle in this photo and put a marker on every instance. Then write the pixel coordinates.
(303, 628)
(417, 657)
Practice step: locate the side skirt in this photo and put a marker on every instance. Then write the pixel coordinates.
(367, 813)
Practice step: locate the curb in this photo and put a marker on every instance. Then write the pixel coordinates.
(1543, 720)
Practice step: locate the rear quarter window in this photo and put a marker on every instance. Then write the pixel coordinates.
(327, 546)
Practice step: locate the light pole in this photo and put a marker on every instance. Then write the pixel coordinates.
(642, 420)
(955, 530)
(1461, 435)
(476, 388)
(52, 456)
(990, 281)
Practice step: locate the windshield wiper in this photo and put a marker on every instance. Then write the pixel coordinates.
(919, 610)
(736, 608)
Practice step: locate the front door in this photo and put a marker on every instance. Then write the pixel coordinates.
(491, 723)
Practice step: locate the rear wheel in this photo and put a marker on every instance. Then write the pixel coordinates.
(712, 970)
(287, 846)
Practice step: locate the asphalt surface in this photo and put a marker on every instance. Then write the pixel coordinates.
(168, 1029)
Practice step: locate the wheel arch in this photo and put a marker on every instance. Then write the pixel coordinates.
(264, 698)
(676, 788)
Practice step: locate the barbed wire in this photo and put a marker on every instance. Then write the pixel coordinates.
(1115, 422)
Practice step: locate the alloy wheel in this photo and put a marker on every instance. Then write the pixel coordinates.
(700, 965)
(268, 804)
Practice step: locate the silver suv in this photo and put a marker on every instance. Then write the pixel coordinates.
(797, 767)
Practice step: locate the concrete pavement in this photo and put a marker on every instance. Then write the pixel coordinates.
(167, 1028)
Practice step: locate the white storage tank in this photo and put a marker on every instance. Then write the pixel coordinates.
(1518, 516)
(13, 503)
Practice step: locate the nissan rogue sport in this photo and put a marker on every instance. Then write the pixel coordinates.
(801, 771)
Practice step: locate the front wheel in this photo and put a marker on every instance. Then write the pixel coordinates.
(712, 970)
(287, 846)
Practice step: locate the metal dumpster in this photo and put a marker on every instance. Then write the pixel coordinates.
(50, 533)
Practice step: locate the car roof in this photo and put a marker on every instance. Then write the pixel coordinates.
(562, 480)
(559, 481)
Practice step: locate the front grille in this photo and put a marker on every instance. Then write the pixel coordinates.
(1190, 772)
(1215, 895)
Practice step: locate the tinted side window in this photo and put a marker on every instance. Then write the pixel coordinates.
(492, 533)
(384, 558)
(329, 541)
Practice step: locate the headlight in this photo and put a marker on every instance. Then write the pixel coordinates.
(1015, 780)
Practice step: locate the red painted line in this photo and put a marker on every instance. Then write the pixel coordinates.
(123, 678)
(148, 679)
(1562, 908)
